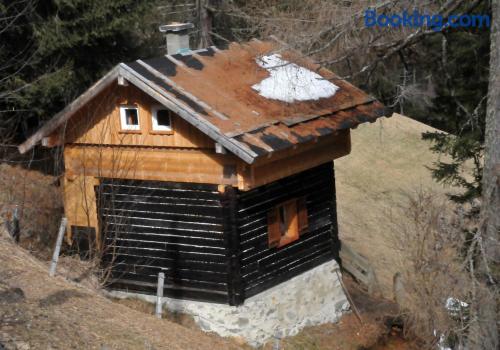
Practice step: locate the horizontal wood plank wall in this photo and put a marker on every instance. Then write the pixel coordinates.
(150, 227)
(98, 122)
(262, 267)
(148, 163)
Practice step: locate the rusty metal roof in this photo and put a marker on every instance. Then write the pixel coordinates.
(212, 89)
(218, 83)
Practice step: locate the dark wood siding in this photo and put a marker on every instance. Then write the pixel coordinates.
(263, 267)
(151, 226)
(211, 246)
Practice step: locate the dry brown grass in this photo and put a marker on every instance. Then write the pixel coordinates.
(149, 308)
(429, 243)
(373, 332)
(54, 313)
(387, 162)
(394, 213)
(40, 206)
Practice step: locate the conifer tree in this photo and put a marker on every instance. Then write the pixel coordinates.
(57, 48)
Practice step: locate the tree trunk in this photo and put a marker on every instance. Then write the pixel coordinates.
(204, 24)
(491, 173)
(484, 332)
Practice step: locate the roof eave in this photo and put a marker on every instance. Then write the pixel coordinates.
(188, 114)
(63, 116)
(178, 107)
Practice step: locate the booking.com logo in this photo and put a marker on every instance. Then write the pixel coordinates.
(416, 20)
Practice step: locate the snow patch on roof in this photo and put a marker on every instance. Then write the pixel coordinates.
(289, 82)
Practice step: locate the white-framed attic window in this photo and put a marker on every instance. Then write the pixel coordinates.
(161, 119)
(129, 117)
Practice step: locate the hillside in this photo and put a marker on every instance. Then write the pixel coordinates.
(388, 162)
(38, 312)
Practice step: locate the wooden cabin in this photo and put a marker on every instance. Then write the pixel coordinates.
(186, 164)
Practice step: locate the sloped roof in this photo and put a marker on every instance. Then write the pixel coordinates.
(212, 90)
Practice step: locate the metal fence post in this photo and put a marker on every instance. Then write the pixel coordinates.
(277, 340)
(57, 249)
(159, 294)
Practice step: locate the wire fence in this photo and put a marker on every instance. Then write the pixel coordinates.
(46, 160)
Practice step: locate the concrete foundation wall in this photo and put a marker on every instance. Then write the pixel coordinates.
(311, 298)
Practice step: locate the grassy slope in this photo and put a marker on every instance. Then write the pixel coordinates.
(388, 161)
(53, 313)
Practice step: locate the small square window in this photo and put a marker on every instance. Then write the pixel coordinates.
(286, 222)
(129, 118)
(161, 119)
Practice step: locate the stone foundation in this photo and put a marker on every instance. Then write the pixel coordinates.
(312, 298)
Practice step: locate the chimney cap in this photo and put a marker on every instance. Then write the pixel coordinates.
(175, 27)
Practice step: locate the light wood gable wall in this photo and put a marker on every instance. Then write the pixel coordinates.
(96, 147)
(99, 123)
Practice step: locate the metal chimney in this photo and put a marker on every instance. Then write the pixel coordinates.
(177, 37)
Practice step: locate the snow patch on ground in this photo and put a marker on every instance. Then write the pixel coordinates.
(455, 305)
(289, 82)
(456, 308)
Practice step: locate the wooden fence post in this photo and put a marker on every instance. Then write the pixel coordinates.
(13, 225)
(16, 230)
(57, 249)
(159, 294)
